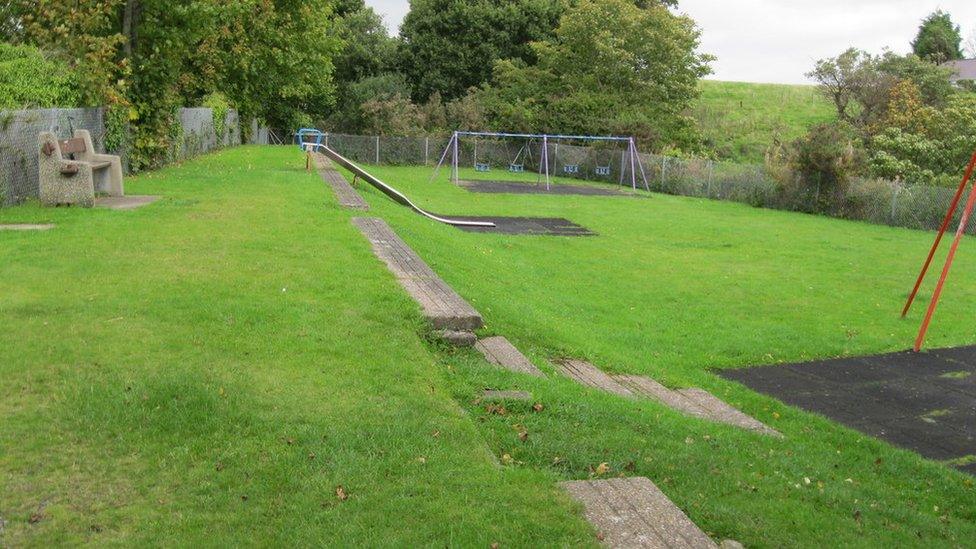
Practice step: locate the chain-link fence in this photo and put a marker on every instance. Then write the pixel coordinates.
(19, 147)
(874, 201)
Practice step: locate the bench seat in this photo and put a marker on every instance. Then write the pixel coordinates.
(71, 171)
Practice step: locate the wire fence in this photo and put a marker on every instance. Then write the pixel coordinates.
(874, 201)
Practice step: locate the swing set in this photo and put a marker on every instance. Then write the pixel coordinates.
(963, 223)
(631, 167)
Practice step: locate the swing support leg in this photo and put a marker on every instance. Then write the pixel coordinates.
(960, 232)
(942, 229)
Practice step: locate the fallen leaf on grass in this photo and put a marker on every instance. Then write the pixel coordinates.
(341, 494)
(538, 407)
(35, 518)
(507, 459)
(601, 469)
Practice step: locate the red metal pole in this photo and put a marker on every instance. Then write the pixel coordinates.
(945, 270)
(942, 229)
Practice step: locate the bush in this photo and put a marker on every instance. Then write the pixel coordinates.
(826, 159)
(28, 79)
(220, 106)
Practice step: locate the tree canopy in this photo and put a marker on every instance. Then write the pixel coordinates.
(450, 46)
(939, 39)
(610, 67)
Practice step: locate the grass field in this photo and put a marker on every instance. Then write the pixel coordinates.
(211, 368)
(741, 120)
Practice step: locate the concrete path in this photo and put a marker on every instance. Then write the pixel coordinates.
(501, 352)
(445, 309)
(633, 512)
(345, 194)
(124, 202)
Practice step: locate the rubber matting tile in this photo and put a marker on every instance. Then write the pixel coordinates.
(924, 402)
(546, 226)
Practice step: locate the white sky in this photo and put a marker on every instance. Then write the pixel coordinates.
(779, 40)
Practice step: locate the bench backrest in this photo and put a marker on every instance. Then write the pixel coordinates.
(72, 146)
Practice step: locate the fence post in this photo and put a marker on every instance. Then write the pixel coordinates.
(426, 150)
(664, 168)
(377, 150)
(894, 203)
(711, 169)
(326, 140)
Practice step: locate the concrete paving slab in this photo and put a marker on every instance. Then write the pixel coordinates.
(490, 394)
(130, 202)
(26, 226)
(633, 512)
(719, 410)
(445, 309)
(695, 402)
(591, 376)
(501, 352)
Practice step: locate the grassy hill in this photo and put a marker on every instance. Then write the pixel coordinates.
(741, 120)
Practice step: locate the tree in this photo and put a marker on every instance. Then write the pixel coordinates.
(939, 39)
(450, 46)
(859, 84)
(611, 67)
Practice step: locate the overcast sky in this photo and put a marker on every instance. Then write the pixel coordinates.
(779, 40)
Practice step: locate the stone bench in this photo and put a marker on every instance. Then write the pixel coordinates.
(71, 172)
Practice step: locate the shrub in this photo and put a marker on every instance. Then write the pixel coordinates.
(218, 103)
(826, 159)
(29, 79)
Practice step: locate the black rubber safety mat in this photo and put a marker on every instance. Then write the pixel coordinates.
(924, 402)
(548, 226)
(514, 187)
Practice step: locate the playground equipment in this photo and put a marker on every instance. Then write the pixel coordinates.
(963, 222)
(389, 191)
(310, 135)
(631, 164)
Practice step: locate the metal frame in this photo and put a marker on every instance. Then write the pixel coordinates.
(631, 156)
(963, 222)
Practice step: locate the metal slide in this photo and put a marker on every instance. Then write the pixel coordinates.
(388, 190)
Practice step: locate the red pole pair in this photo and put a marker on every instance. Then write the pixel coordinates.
(970, 203)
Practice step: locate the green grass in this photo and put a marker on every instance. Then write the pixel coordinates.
(209, 369)
(672, 288)
(239, 339)
(742, 120)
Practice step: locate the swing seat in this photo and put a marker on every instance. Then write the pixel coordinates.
(516, 168)
(603, 170)
(481, 167)
(570, 168)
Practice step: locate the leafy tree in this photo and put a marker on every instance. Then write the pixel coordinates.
(28, 79)
(611, 67)
(149, 57)
(367, 50)
(859, 84)
(449, 46)
(939, 39)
